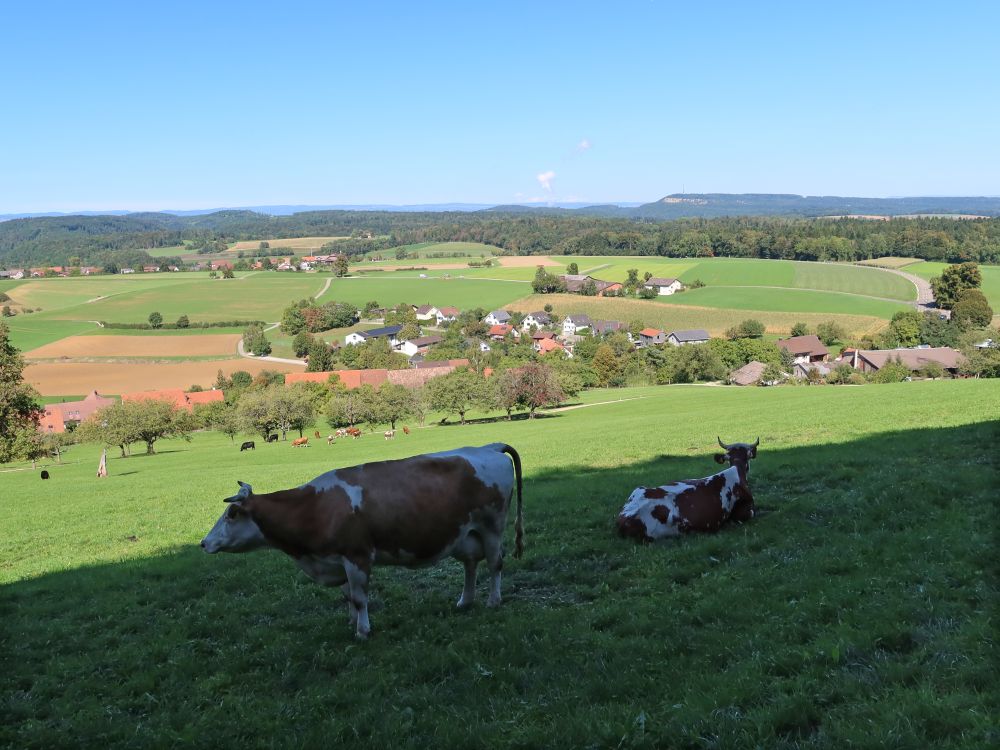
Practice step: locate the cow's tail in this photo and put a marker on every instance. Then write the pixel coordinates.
(519, 520)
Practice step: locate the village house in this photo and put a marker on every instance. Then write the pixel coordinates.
(536, 320)
(150, 269)
(749, 374)
(663, 286)
(66, 415)
(803, 370)
(651, 337)
(386, 332)
(127, 270)
(693, 336)
(913, 359)
(419, 345)
(91, 270)
(574, 324)
(576, 283)
(426, 313)
(497, 317)
(17, 273)
(545, 346)
(498, 333)
(218, 265)
(805, 348)
(447, 315)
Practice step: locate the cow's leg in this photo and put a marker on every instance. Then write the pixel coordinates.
(469, 590)
(352, 611)
(358, 573)
(494, 560)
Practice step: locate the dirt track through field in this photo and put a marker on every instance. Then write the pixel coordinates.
(138, 346)
(55, 379)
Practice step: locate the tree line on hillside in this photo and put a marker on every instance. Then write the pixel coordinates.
(122, 240)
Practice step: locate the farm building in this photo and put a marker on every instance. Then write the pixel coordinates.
(805, 369)
(749, 374)
(693, 336)
(59, 417)
(575, 284)
(663, 286)
(805, 348)
(498, 333)
(914, 359)
(603, 327)
(544, 346)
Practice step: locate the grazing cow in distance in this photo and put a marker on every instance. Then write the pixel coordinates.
(693, 504)
(271, 438)
(406, 430)
(299, 442)
(410, 512)
(248, 446)
(354, 432)
(331, 439)
(342, 432)
(389, 434)
(317, 435)
(45, 474)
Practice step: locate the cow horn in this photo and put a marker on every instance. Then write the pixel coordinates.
(724, 446)
(758, 442)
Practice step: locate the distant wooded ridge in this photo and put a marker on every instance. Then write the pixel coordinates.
(674, 206)
(123, 240)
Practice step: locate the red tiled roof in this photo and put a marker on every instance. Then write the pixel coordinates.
(651, 332)
(549, 345)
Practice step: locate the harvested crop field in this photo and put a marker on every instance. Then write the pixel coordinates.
(138, 346)
(296, 243)
(53, 379)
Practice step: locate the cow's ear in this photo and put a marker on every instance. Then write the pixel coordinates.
(720, 458)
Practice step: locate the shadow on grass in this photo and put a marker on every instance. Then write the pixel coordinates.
(857, 612)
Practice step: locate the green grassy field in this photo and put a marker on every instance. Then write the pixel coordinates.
(830, 277)
(670, 317)
(28, 332)
(991, 278)
(855, 612)
(784, 300)
(391, 288)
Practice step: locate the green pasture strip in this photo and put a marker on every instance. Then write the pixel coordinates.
(855, 612)
(991, 278)
(390, 289)
(166, 252)
(165, 332)
(785, 300)
(834, 277)
(29, 332)
(477, 249)
(670, 316)
(255, 297)
(7, 284)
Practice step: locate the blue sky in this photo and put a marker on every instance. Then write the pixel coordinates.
(195, 105)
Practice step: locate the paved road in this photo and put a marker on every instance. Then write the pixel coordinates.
(279, 360)
(925, 296)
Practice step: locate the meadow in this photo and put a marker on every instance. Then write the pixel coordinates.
(855, 611)
(991, 278)
(770, 299)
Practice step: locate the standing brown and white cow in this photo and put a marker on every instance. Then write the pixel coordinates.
(693, 504)
(411, 512)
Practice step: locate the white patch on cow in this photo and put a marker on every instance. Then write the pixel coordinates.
(728, 491)
(238, 534)
(330, 481)
(358, 581)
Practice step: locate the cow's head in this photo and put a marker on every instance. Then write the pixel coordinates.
(235, 531)
(737, 454)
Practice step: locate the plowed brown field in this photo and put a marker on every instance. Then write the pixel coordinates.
(138, 346)
(54, 379)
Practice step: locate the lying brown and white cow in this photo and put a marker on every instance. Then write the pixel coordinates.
(411, 512)
(693, 504)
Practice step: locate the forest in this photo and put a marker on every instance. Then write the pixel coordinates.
(124, 240)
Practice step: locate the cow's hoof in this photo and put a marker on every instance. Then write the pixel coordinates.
(460, 604)
(359, 636)
(494, 603)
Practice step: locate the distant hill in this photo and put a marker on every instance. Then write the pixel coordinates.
(712, 205)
